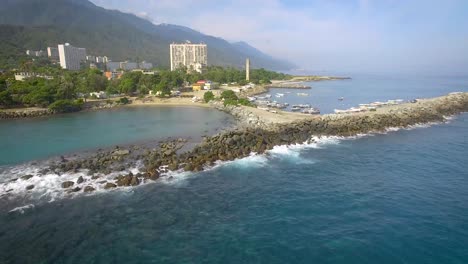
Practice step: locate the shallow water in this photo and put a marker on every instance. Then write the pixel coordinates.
(400, 197)
(40, 138)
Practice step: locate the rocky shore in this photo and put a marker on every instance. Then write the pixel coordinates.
(254, 136)
(257, 133)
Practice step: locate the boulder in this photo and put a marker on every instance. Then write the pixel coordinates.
(30, 187)
(26, 177)
(80, 180)
(109, 185)
(76, 189)
(67, 184)
(89, 189)
(121, 152)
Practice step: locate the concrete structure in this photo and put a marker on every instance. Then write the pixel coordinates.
(110, 75)
(128, 66)
(145, 65)
(52, 53)
(21, 76)
(102, 59)
(112, 65)
(192, 56)
(91, 58)
(35, 53)
(247, 69)
(71, 57)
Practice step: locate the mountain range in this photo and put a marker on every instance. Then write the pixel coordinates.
(37, 24)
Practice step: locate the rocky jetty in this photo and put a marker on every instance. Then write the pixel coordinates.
(109, 169)
(241, 142)
(24, 113)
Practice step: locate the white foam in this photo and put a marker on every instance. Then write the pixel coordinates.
(22, 209)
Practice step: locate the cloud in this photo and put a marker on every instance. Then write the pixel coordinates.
(324, 34)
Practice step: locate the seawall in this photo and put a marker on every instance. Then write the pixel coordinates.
(241, 142)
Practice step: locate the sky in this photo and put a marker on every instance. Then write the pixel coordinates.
(426, 36)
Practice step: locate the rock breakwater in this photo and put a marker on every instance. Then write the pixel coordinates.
(110, 169)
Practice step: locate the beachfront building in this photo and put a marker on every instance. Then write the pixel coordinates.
(192, 56)
(21, 76)
(71, 57)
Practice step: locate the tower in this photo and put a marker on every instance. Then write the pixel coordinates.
(247, 69)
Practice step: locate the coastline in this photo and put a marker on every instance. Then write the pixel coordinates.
(124, 167)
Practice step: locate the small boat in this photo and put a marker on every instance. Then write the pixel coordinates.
(279, 94)
(268, 96)
(341, 98)
(304, 105)
(295, 108)
(312, 111)
(303, 94)
(338, 111)
(251, 99)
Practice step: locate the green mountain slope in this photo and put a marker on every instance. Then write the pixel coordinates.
(36, 24)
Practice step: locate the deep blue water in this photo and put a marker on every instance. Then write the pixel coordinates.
(401, 197)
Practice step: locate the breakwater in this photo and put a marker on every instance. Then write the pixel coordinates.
(110, 169)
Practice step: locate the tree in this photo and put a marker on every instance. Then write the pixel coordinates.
(229, 95)
(208, 96)
(5, 99)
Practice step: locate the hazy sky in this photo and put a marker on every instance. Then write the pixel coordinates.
(329, 35)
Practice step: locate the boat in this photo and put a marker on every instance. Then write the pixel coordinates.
(279, 95)
(304, 105)
(338, 111)
(251, 99)
(268, 96)
(312, 111)
(341, 98)
(303, 94)
(295, 108)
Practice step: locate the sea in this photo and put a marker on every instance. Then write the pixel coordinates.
(394, 197)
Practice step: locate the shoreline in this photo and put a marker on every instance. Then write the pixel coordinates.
(121, 167)
(96, 105)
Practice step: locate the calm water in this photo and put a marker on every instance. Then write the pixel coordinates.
(26, 140)
(370, 88)
(395, 198)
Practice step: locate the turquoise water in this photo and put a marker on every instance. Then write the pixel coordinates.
(400, 197)
(33, 139)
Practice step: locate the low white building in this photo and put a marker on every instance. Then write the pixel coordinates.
(99, 95)
(21, 76)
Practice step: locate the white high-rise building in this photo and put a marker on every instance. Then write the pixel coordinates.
(192, 56)
(71, 57)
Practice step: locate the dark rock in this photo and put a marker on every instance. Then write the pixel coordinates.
(124, 180)
(135, 181)
(67, 184)
(109, 185)
(89, 189)
(26, 177)
(76, 189)
(30, 187)
(80, 180)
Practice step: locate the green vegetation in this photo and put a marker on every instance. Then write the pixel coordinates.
(71, 85)
(36, 24)
(66, 106)
(208, 96)
(230, 98)
(124, 100)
